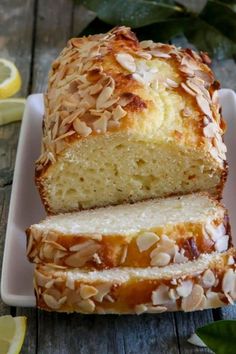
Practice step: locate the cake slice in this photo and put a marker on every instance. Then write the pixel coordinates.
(150, 233)
(208, 282)
(127, 121)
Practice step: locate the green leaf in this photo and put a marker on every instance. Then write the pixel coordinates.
(164, 31)
(219, 336)
(95, 27)
(133, 13)
(207, 38)
(222, 17)
(230, 3)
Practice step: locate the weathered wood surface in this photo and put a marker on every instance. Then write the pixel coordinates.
(32, 33)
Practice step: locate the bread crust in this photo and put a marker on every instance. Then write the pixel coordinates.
(158, 246)
(210, 287)
(131, 99)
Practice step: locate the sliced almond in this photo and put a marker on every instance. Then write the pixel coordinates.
(87, 291)
(228, 281)
(161, 259)
(160, 295)
(156, 309)
(48, 251)
(126, 61)
(193, 300)
(118, 113)
(172, 83)
(222, 243)
(173, 295)
(100, 125)
(51, 302)
(185, 288)
(146, 240)
(210, 130)
(104, 97)
(213, 300)
(203, 105)
(208, 278)
(86, 306)
(70, 283)
(140, 309)
(124, 254)
(187, 89)
(103, 290)
(81, 128)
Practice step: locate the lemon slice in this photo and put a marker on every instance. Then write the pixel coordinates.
(10, 80)
(11, 110)
(12, 334)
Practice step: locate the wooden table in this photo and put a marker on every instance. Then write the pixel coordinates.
(32, 33)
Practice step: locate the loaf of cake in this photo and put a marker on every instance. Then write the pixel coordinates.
(150, 233)
(127, 121)
(208, 282)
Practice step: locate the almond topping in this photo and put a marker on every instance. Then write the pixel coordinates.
(228, 281)
(103, 290)
(118, 113)
(208, 278)
(87, 291)
(156, 309)
(193, 300)
(203, 105)
(126, 61)
(87, 306)
(187, 89)
(210, 130)
(140, 309)
(160, 259)
(160, 295)
(146, 240)
(81, 128)
(221, 244)
(104, 97)
(213, 299)
(51, 302)
(185, 288)
(100, 125)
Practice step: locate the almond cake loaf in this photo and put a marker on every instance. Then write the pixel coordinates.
(150, 233)
(208, 282)
(127, 121)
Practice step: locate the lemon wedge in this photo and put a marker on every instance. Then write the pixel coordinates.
(11, 110)
(10, 80)
(12, 334)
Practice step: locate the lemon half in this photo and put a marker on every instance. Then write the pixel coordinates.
(10, 80)
(11, 110)
(12, 334)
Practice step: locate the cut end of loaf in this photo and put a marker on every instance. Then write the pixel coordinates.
(125, 169)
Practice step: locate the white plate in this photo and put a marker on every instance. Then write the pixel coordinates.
(26, 207)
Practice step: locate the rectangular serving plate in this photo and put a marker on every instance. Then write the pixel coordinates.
(26, 207)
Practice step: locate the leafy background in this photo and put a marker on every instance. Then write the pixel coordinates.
(208, 25)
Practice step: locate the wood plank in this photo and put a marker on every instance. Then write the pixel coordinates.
(4, 203)
(83, 334)
(227, 313)
(16, 24)
(53, 29)
(187, 323)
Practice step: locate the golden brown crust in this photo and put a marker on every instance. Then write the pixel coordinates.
(212, 286)
(159, 246)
